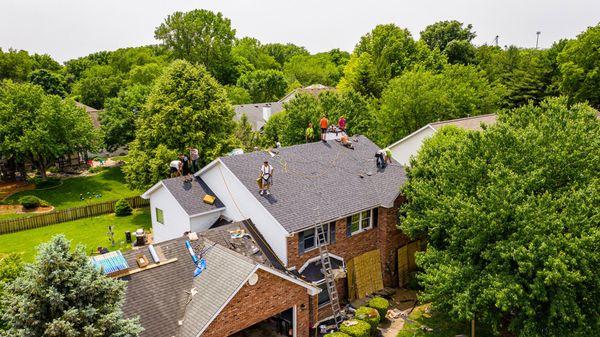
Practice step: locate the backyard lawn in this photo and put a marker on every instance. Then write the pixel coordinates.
(104, 186)
(92, 232)
(441, 325)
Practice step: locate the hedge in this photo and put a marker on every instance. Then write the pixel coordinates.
(358, 329)
(380, 304)
(369, 315)
(31, 202)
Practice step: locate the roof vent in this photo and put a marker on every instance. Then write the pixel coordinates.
(253, 279)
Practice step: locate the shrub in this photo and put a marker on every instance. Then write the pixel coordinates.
(96, 169)
(43, 184)
(380, 304)
(31, 202)
(123, 208)
(358, 329)
(369, 315)
(336, 334)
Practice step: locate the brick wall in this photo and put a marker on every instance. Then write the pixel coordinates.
(385, 237)
(252, 304)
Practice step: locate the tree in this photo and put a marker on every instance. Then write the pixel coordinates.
(461, 52)
(97, 84)
(312, 69)
(264, 85)
(63, 294)
(360, 75)
(419, 97)
(243, 132)
(580, 68)
(52, 83)
(186, 107)
(284, 52)
(511, 220)
(41, 127)
(252, 50)
(440, 34)
(10, 268)
(200, 36)
(15, 65)
(237, 95)
(118, 118)
(144, 74)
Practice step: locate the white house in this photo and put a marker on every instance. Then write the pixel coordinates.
(410, 145)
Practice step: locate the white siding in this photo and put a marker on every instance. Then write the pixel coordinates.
(203, 222)
(241, 205)
(410, 145)
(176, 219)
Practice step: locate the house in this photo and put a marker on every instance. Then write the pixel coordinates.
(315, 183)
(259, 113)
(409, 146)
(93, 113)
(240, 289)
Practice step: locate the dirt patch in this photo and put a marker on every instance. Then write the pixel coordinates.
(6, 189)
(403, 300)
(18, 209)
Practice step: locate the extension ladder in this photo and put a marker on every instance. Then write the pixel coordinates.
(328, 273)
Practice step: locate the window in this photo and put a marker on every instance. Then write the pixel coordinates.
(308, 239)
(324, 294)
(160, 216)
(361, 221)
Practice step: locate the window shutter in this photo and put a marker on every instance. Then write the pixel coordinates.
(349, 226)
(375, 216)
(332, 232)
(300, 243)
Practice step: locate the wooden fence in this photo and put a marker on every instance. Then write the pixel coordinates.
(88, 211)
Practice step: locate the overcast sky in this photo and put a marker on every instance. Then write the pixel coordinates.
(67, 29)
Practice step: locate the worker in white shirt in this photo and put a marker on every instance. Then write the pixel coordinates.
(175, 168)
(266, 178)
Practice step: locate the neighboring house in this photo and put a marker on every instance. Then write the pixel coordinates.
(95, 117)
(242, 287)
(259, 113)
(410, 145)
(315, 183)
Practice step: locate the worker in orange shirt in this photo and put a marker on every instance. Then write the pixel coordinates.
(324, 123)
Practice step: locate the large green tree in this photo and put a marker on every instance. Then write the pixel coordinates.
(511, 219)
(419, 97)
(264, 85)
(186, 107)
(53, 83)
(312, 69)
(440, 34)
(284, 52)
(97, 84)
(41, 128)
(63, 294)
(580, 67)
(10, 268)
(200, 36)
(252, 50)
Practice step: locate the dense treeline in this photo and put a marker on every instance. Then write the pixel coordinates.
(390, 85)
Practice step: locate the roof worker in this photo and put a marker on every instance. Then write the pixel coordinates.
(309, 133)
(346, 142)
(388, 155)
(185, 167)
(266, 178)
(342, 123)
(175, 168)
(324, 123)
(195, 166)
(380, 155)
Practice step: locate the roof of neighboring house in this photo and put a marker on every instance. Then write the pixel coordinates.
(93, 113)
(468, 123)
(319, 182)
(160, 295)
(314, 90)
(254, 112)
(188, 194)
(313, 272)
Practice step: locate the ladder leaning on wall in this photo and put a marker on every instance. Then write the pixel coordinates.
(328, 273)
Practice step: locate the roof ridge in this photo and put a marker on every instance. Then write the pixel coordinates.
(461, 119)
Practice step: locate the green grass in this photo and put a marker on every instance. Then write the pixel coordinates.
(91, 232)
(110, 184)
(440, 323)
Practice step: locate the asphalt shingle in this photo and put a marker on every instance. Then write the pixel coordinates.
(319, 182)
(190, 194)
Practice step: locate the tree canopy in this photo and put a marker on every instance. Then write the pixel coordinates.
(200, 36)
(186, 107)
(63, 294)
(511, 220)
(264, 85)
(441, 34)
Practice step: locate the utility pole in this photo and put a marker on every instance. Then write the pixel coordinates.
(496, 40)
(537, 40)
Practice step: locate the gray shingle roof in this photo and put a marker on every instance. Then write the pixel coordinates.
(318, 182)
(224, 274)
(189, 195)
(254, 112)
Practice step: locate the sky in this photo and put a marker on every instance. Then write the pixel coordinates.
(67, 29)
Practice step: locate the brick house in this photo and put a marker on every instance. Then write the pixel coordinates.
(315, 183)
